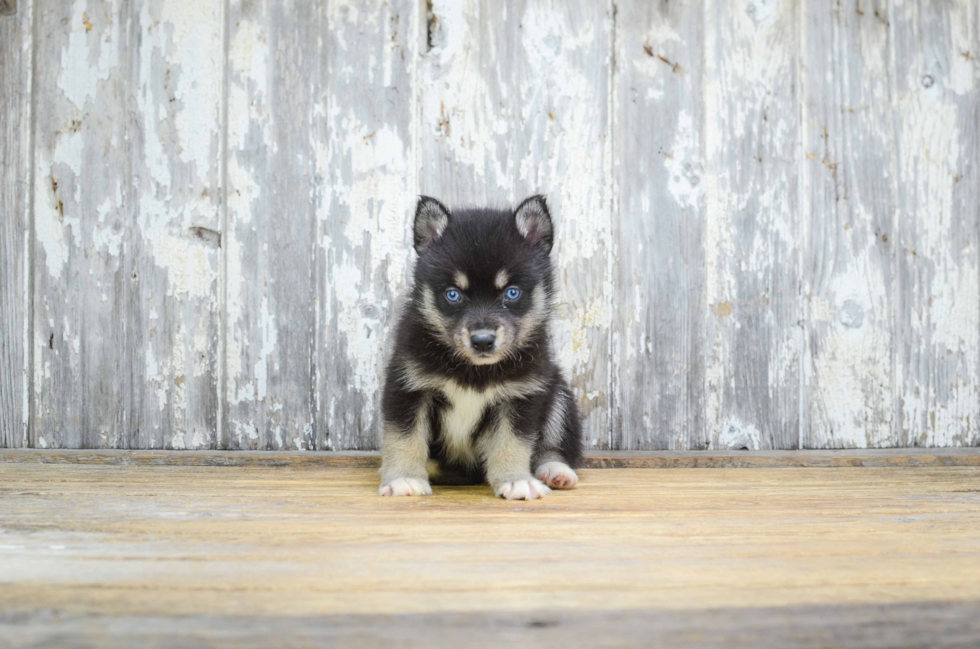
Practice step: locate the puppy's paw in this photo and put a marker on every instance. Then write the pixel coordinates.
(524, 489)
(405, 487)
(557, 475)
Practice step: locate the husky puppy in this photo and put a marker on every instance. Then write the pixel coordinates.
(472, 392)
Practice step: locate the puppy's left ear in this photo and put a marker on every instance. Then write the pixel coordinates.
(534, 222)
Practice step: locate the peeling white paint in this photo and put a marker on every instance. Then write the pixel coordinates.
(27, 254)
(736, 436)
(177, 442)
(472, 133)
(156, 378)
(683, 163)
(237, 339)
(883, 325)
(247, 109)
(89, 56)
(937, 193)
(194, 51)
(56, 217)
(267, 326)
(106, 237)
(245, 430)
(191, 267)
(49, 231)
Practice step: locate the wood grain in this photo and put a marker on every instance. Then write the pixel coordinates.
(752, 225)
(175, 316)
(126, 180)
(167, 542)
(469, 102)
(909, 625)
(86, 262)
(849, 206)
(274, 60)
(659, 342)
(767, 213)
(16, 71)
(937, 112)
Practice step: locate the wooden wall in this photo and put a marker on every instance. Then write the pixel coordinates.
(768, 212)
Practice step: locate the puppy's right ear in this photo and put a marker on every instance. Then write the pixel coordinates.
(431, 220)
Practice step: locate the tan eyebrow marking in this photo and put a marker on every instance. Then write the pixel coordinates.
(502, 278)
(462, 281)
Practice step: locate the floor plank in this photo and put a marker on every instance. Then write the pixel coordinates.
(931, 624)
(88, 550)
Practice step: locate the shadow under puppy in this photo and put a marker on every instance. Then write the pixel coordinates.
(472, 393)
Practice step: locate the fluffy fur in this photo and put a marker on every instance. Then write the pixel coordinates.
(472, 391)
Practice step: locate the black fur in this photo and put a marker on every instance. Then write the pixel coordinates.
(480, 242)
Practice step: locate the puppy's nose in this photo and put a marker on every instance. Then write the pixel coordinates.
(483, 341)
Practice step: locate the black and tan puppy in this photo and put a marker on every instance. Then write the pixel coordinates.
(472, 393)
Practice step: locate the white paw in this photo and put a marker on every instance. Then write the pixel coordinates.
(405, 487)
(527, 489)
(557, 475)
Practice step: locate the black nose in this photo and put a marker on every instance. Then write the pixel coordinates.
(483, 341)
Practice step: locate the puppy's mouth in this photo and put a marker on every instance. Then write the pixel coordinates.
(483, 358)
(482, 346)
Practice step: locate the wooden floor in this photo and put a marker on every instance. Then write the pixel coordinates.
(110, 555)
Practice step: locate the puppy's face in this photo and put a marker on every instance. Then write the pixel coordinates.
(484, 315)
(483, 279)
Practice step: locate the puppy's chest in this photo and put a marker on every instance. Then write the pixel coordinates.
(460, 418)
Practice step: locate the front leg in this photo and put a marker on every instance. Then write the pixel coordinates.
(507, 458)
(406, 451)
(561, 443)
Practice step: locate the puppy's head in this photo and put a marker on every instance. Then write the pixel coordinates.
(483, 279)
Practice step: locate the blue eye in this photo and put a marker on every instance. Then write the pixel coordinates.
(512, 293)
(453, 295)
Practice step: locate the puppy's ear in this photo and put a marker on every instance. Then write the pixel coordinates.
(534, 222)
(431, 220)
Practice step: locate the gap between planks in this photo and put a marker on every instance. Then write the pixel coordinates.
(596, 460)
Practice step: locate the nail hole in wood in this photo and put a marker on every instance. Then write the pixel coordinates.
(207, 235)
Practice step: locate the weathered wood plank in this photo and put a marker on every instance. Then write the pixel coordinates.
(468, 100)
(848, 205)
(365, 156)
(176, 156)
(659, 324)
(752, 224)
(84, 361)
(274, 59)
(515, 102)
(126, 181)
(909, 458)
(937, 111)
(905, 625)
(705, 260)
(174, 541)
(15, 222)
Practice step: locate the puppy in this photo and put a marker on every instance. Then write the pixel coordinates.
(472, 393)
